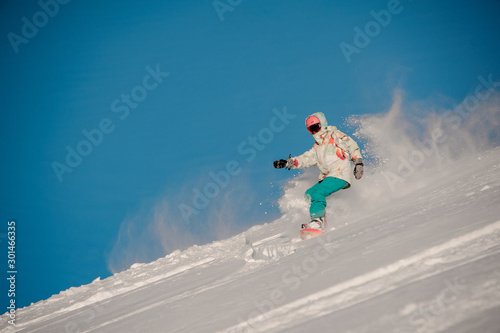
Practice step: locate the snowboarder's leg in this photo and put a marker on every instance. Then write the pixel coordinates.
(318, 193)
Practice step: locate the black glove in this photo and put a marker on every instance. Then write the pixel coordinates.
(288, 163)
(358, 168)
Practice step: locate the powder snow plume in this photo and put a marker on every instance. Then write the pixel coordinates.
(157, 228)
(405, 148)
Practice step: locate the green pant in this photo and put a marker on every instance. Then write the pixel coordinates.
(318, 193)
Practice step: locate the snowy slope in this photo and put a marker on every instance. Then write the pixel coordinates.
(422, 255)
(434, 269)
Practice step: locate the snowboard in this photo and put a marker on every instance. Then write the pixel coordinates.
(310, 233)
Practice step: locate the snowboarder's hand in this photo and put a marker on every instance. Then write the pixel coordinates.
(288, 163)
(358, 168)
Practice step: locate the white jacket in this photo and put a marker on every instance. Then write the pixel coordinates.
(332, 152)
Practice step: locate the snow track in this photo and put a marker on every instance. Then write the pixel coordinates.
(456, 252)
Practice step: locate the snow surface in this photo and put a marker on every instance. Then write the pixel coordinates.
(418, 255)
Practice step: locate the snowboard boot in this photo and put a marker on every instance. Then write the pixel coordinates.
(316, 223)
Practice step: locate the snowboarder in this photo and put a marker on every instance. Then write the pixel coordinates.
(332, 153)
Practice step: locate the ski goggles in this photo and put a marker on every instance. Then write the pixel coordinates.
(314, 128)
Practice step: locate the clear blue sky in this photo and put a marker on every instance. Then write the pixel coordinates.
(224, 79)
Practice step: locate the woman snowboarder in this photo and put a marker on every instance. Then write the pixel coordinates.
(332, 153)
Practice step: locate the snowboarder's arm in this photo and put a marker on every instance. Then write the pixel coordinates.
(354, 152)
(306, 160)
